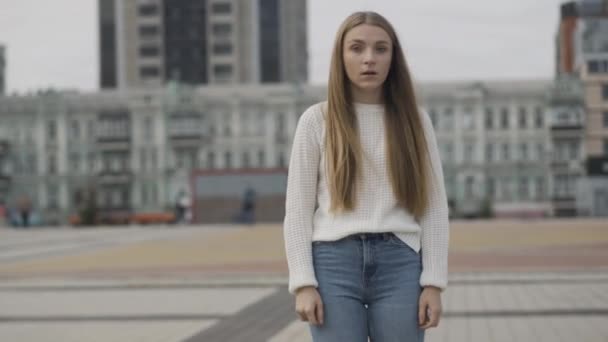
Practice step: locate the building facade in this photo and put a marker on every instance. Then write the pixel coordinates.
(495, 146)
(197, 42)
(583, 51)
(566, 113)
(139, 148)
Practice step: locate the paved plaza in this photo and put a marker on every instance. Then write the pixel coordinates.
(509, 281)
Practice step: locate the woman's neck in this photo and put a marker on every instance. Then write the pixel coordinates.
(367, 96)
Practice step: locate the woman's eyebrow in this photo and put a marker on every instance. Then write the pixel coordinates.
(361, 41)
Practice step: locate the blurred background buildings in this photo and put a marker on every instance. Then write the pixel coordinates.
(200, 93)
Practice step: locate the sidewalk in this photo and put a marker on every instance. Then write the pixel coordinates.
(509, 281)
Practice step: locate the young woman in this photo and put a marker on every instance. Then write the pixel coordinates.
(366, 224)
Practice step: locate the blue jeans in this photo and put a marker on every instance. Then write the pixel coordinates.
(369, 284)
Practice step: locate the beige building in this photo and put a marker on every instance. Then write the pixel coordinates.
(582, 51)
(149, 42)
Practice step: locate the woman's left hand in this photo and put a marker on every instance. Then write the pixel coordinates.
(429, 307)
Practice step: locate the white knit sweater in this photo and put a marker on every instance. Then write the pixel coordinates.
(307, 216)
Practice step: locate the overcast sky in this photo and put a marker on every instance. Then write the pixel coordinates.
(54, 43)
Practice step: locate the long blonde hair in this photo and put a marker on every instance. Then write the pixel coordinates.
(407, 151)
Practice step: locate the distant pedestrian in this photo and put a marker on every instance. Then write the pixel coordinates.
(248, 207)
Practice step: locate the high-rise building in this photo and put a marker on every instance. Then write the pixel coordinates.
(582, 50)
(150, 42)
(2, 70)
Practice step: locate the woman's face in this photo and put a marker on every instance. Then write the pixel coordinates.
(367, 53)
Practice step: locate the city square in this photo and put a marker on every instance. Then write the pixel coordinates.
(534, 280)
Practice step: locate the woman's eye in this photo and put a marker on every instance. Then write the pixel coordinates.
(355, 48)
(381, 49)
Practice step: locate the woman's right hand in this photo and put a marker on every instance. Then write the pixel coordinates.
(309, 305)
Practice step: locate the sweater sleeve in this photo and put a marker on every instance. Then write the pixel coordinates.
(301, 198)
(435, 221)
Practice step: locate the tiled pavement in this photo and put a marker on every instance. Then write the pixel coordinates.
(563, 306)
(223, 284)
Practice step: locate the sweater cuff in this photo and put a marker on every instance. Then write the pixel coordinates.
(429, 278)
(301, 280)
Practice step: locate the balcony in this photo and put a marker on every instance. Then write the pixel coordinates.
(113, 130)
(574, 130)
(122, 177)
(186, 130)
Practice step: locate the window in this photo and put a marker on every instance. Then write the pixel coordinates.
(491, 187)
(523, 188)
(75, 128)
(52, 196)
(540, 188)
(117, 198)
(523, 151)
(261, 158)
(598, 67)
(489, 152)
(468, 119)
(227, 160)
(468, 189)
(506, 189)
(593, 67)
(91, 129)
(505, 152)
(448, 116)
(211, 160)
(504, 118)
(143, 159)
(146, 72)
(605, 92)
(51, 130)
(221, 8)
(144, 194)
(261, 123)
(152, 193)
(31, 164)
(522, 117)
(280, 123)
(148, 128)
(148, 9)
(245, 160)
(469, 149)
(92, 162)
(52, 164)
(222, 49)
(606, 147)
(605, 118)
(281, 160)
(153, 158)
(573, 147)
(148, 31)
(222, 70)
(540, 151)
(75, 162)
(449, 152)
(539, 117)
(149, 51)
(221, 29)
(489, 118)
